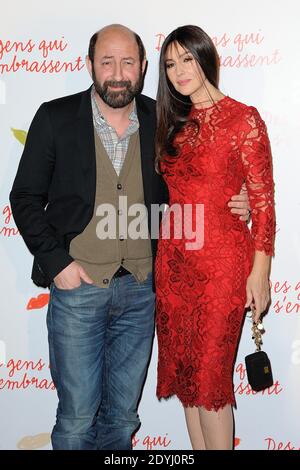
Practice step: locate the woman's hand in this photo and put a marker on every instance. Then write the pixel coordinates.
(258, 293)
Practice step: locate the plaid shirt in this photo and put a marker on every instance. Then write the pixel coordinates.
(115, 146)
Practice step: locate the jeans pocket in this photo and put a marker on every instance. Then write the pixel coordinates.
(67, 290)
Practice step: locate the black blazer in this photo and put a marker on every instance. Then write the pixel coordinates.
(53, 195)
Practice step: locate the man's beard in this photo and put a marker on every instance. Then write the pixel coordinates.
(118, 99)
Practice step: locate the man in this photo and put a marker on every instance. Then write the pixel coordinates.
(82, 152)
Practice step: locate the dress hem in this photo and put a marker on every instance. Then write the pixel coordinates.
(187, 404)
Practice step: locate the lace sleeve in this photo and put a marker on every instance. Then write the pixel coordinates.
(257, 163)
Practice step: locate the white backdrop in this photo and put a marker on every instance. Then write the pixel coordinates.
(258, 45)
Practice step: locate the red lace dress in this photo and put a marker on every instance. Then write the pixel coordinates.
(201, 293)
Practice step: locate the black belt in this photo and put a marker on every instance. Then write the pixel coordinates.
(121, 272)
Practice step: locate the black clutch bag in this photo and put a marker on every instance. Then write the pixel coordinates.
(258, 365)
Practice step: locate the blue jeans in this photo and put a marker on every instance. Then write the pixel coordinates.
(100, 343)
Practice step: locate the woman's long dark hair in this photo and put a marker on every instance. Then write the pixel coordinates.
(172, 107)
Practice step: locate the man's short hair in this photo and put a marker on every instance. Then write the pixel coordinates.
(93, 40)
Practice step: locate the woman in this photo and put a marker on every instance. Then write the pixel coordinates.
(208, 145)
